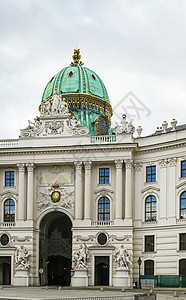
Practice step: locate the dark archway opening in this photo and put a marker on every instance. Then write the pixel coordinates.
(5, 270)
(101, 270)
(56, 249)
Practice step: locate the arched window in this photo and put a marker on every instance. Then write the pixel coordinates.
(182, 267)
(150, 208)
(9, 211)
(104, 209)
(149, 267)
(183, 205)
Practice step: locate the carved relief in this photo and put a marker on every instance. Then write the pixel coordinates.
(21, 258)
(128, 163)
(80, 257)
(138, 167)
(163, 163)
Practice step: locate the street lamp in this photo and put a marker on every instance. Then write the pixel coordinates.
(139, 264)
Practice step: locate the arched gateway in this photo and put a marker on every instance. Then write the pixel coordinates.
(55, 248)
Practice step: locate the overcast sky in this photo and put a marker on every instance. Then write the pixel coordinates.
(136, 46)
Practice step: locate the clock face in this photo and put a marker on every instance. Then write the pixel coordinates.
(55, 196)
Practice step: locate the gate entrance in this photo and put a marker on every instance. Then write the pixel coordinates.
(5, 270)
(101, 270)
(56, 249)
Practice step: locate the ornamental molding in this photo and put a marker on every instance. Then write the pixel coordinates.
(110, 239)
(181, 187)
(172, 161)
(103, 192)
(138, 167)
(8, 193)
(128, 163)
(24, 239)
(30, 167)
(163, 148)
(119, 163)
(88, 165)
(163, 163)
(64, 199)
(34, 152)
(55, 120)
(78, 165)
(21, 167)
(150, 189)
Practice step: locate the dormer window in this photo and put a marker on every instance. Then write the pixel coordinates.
(70, 73)
(93, 76)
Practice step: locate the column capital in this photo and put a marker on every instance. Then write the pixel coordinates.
(21, 167)
(163, 163)
(172, 161)
(128, 163)
(87, 165)
(138, 167)
(78, 165)
(119, 163)
(30, 167)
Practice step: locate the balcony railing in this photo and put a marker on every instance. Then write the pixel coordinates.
(180, 221)
(102, 223)
(9, 143)
(7, 224)
(99, 139)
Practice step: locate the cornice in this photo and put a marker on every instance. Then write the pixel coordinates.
(159, 148)
(68, 151)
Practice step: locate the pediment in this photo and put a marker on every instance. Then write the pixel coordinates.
(104, 190)
(150, 188)
(8, 193)
(181, 185)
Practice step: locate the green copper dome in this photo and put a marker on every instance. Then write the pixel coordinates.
(76, 79)
(85, 94)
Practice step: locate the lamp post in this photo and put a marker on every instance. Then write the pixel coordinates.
(139, 264)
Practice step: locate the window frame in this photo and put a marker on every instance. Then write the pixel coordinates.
(183, 207)
(146, 245)
(182, 241)
(104, 177)
(183, 169)
(149, 270)
(180, 261)
(104, 213)
(10, 179)
(151, 209)
(151, 174)
(11, 216)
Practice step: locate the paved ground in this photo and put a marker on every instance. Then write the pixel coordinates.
(38, 293)
(54, 293)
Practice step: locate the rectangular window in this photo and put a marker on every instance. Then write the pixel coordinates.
(149, 243)
(182, 241)
(9, 178)
(183, 168)
(151, 174)
(103, 175)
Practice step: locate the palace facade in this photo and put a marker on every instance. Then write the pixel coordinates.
(82, 201)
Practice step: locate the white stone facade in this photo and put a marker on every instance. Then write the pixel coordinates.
(56, 157)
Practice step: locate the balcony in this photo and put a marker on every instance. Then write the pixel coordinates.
(9, 143)
(101, 139)
(102, 223)
(7, 224)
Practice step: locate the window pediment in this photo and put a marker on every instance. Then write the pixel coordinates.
(8, 194)
(150, 189)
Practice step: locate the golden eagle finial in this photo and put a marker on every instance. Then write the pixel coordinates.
(76, 56)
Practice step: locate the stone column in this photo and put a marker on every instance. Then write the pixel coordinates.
(21, 203)
(163, 189)
(30, 191)
(78, 191)
(119, 165)
(138, 180)
(87, 201)
(128, 189)
(171, 189)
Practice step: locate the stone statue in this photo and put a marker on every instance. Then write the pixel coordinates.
(21, 258)
(122, 257)
(80, 257)
(124, 126)
(63, 109)
(55, 103)
(73, 123)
